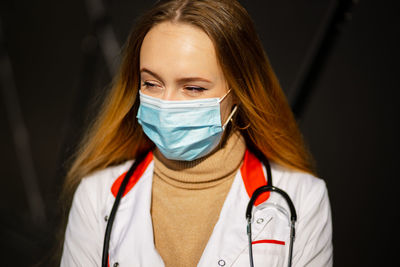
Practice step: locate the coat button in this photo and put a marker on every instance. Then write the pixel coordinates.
(221, 263)
(260, 220)
(116, 264)
(106, 218)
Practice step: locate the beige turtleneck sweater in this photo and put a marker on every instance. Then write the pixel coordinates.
(187, 198)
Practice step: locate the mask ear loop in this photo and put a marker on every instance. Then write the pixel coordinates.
(230, 117)
(232, 113)
(222, 98)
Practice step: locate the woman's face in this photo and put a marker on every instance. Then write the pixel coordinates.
(178, 62)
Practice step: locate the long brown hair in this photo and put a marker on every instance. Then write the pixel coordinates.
(264, 116)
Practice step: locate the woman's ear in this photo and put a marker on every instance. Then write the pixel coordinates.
(234, 99)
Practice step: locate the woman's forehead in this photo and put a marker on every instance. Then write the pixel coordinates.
(179, 48)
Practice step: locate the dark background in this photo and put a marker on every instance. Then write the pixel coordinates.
(343, 54)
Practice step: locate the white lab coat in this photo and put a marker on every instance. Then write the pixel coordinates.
(132, 242)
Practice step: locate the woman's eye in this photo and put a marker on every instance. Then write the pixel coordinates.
(195, 88)
(148, 84)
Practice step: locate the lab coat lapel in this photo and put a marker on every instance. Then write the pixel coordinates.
(132, 241)
(229, 238)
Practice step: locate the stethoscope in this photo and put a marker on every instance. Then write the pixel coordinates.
(267, 188)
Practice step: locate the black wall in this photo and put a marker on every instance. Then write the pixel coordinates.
(349, 118)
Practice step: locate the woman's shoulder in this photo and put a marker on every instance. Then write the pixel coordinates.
(293, 179)
(305, 189)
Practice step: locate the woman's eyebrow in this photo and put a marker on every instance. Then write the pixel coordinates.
(192, 79)
(151, 73)
(180, 80)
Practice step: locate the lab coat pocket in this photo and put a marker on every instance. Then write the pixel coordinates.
(269, 252)
(268, 249)
(270, 244)
(265, 253)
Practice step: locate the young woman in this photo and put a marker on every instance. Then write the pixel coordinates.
(198, 110)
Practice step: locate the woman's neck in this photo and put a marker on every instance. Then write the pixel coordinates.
(205, 172)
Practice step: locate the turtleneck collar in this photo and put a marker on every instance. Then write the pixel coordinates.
(205, 172)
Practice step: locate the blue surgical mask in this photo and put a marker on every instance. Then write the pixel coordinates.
(182, 130)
